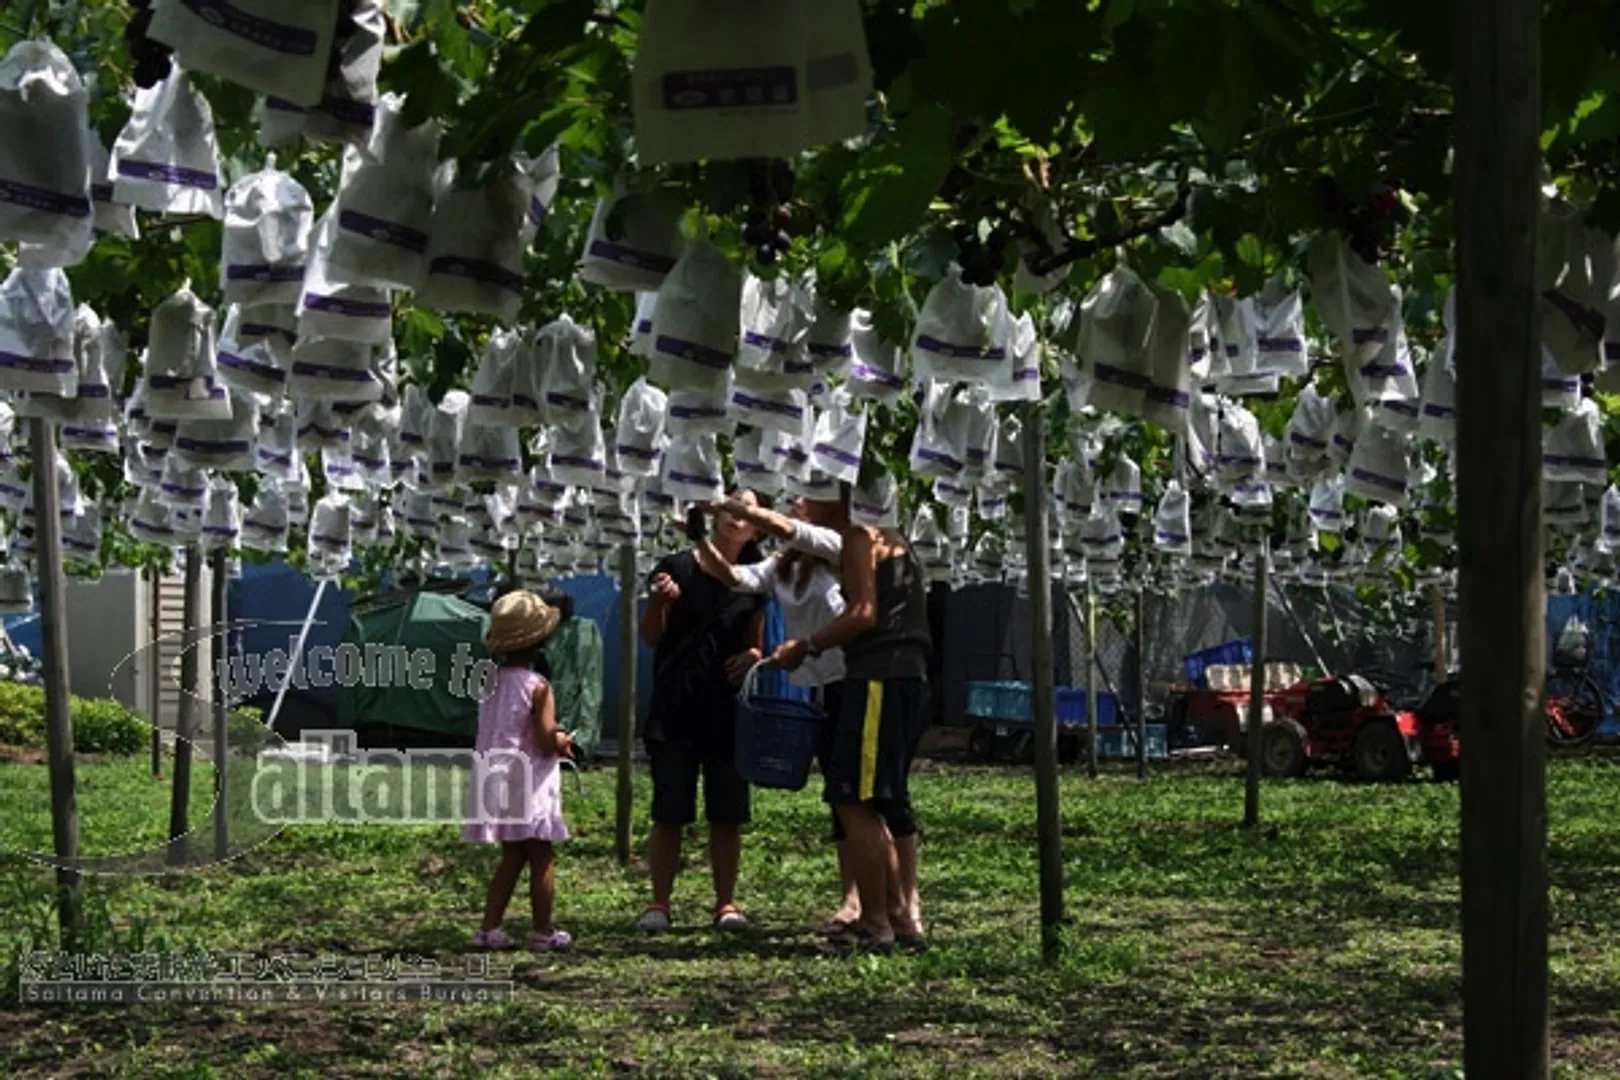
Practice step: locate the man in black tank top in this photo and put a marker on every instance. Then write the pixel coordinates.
(883, 713)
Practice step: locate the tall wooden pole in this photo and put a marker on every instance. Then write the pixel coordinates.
(1140, 703)
(1257, 688)
(1442, 652)
(629, 653)
(1092, 667)
(1504, 795)
(220, 654)
(58, 714)
(154, 662)
(186, 723)
(1048, 826)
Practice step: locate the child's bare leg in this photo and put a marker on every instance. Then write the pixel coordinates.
(502, 885)
(850, 910)
(542, 883)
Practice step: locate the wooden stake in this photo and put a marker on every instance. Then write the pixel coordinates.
(1497, 155)
(1091, 678)
(58, 703)
(186, 723)
(1140, 703)
(1442, 653)
(219, 653)
(1048, 825)
(629, 654)
(1257, 689)
(154, 674)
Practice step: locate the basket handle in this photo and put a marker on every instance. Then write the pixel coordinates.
(750, 680)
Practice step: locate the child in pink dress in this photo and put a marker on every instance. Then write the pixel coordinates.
(517, 781)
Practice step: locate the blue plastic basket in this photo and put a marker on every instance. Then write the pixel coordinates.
(1119, 742)
(1240, 651)
(1071, 707)
(1000, 700)
(776, 738)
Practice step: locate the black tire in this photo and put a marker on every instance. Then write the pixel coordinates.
(1070, 747)
(1023, 747)
(1447, 772)
(1378, 753)
(982, 743)
(1573, 706)
(1282, 750)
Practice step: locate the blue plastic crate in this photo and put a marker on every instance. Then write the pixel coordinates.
(1240, 651)
(1000, 700)
(1071, 707)
(1119, 743)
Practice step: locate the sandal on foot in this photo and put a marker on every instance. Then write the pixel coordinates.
(551, 941)
(655, 920)
(857, 939)
(491, 939)
(834, 927)
(729, 920)
(911, 943)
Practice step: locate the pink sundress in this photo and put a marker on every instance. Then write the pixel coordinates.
(515, 789)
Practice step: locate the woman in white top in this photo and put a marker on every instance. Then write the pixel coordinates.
(804, 575)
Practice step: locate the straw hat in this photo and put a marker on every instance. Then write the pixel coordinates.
(518, 620)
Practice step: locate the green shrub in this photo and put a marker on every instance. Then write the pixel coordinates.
(100, 725)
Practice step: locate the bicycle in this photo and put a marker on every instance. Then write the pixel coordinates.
(1573, 701)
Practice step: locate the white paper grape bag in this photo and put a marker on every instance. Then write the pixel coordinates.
(261, 366)
(1575, 268)
(1115, 325)
(1562, 504)
(271, 47)
(566, 358)
(578, 457)
(772, 348)
(1279, 325)
(939, 450)
(1572, 451)
(1378, 467)
(166, 159)
(1558, 390)
(1122, 487)
(692, 470)
(45, 151)
(36, 334)
(974, 414)
(1007, 467)
(226, 445)
(488, 455)
(275, 451)
(111, 216)
(963, 332)
(475, 248)
(348, 107)
(839, 440)
(700, 412)
(330, 307)
(634, 241)
(268, 221)
(723, 79)
(750, 457)
(184, 486)
(696, 321)
(1355, 301)
(1240, 454)
(332, 369)
(1020, 378)
(639, 435)
(495, 380)
(330, 528)
(876, 505)
(385, 202)
(1438, 419)
(1167, 396)
(776, 410)
(877, 371)
(1347, 427)
(1172, 531)
(1237, 333)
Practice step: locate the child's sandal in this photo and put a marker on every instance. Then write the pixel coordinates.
(491, 939)
(551, 941)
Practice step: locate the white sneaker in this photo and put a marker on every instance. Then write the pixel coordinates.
(731, 921)
(655, 920)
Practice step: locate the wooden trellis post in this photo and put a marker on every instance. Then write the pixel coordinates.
(1048, 825)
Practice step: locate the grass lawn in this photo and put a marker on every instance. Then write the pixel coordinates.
(1324, 946)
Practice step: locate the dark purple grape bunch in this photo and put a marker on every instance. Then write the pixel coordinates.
(770, 191)
(153, 59)
(346, 29)
(1369, 223)
(981, 260)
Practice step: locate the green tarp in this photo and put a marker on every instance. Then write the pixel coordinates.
(419, 654)
(419, 657)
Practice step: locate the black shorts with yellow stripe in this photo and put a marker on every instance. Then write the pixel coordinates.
(879, 725)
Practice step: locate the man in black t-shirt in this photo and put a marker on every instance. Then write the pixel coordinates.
(705, 638)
